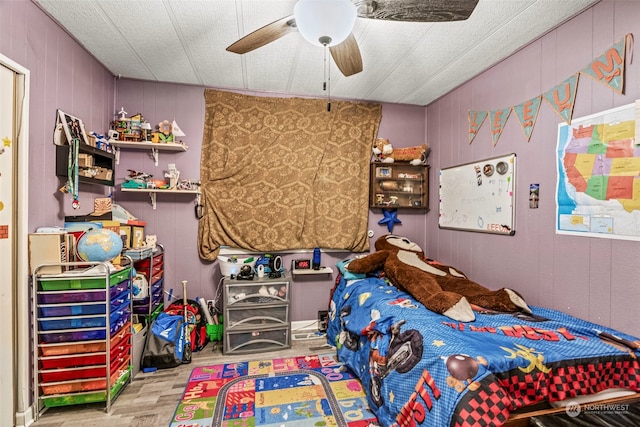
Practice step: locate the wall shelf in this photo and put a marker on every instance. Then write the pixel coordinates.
(309, 272)
(154, 191)
(399, 185)
(155, 147)
(101, 159)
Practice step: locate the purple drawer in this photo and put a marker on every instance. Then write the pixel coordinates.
(78, 309)
(92, 334)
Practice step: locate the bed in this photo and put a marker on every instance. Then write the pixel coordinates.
(422, 368)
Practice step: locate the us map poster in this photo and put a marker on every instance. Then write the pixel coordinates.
(598, 185)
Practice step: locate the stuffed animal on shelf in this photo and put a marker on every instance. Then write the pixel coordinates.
(384, 152)
(440, 288)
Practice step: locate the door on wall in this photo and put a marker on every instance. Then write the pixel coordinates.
(8, 242)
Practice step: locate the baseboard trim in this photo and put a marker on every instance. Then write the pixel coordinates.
(305, 330)
(304, 325)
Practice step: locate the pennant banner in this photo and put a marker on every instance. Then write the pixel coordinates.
(476, 118)
(562, 97)
(527, 113)
(498, 119)
(608, 68)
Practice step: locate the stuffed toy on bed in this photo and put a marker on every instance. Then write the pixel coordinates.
(440, 288)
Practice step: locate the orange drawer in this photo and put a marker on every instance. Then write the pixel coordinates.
(118, 336)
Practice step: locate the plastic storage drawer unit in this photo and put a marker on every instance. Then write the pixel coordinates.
(257, 340)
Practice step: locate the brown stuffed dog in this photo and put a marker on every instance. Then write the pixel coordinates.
(440, 288)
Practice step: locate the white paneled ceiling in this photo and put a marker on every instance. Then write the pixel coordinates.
(184, 41)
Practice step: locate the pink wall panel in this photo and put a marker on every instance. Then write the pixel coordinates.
(591, 278)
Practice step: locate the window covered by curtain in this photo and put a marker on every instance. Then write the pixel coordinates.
(285, 173)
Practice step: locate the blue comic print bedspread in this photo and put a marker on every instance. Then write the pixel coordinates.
(422, 368)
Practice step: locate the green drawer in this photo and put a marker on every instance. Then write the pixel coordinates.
(78, 282)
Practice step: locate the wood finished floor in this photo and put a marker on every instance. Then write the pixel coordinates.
(151, 398)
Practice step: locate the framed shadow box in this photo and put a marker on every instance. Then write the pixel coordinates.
(399, 185)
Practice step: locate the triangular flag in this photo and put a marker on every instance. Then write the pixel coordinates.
(562, 97)
(176, 129)
(498, 118)
(476, 118)
(608, 68)
(527, 113)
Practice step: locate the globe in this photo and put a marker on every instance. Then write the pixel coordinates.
(99, 244)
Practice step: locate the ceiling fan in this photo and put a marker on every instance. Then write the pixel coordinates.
(329, 23)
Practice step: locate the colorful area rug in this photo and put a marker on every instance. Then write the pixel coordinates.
(304, 391)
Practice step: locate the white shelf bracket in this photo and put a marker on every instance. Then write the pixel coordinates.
(152, 196)
(116, 151)
(154, 155)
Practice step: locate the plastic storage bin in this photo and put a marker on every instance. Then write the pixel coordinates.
(78, 335)
(74, 386)
(86, 397)
(56, 375)
(73, 361)
(56, 310)
(57, 297)
(257, 340)
(64, 283)
(260, 315)
(73, 317)
(53, 323)
(56, 349)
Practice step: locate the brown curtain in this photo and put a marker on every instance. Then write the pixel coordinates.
(285, 173)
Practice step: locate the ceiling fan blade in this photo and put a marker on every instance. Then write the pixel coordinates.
(416, 10)
(347, 56)
(264, 35)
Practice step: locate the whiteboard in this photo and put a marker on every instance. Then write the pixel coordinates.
(479, 196)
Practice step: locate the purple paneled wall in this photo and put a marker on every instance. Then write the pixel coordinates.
(596, 279)
(63, 76)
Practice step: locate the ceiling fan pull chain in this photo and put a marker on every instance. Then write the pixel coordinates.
(324, 68)
(327, 77)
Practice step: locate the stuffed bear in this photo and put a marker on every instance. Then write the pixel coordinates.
(384, 152)
(440, 288)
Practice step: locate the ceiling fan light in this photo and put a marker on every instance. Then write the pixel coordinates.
(320, 21)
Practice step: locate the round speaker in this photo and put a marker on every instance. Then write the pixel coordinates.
(275, 263)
